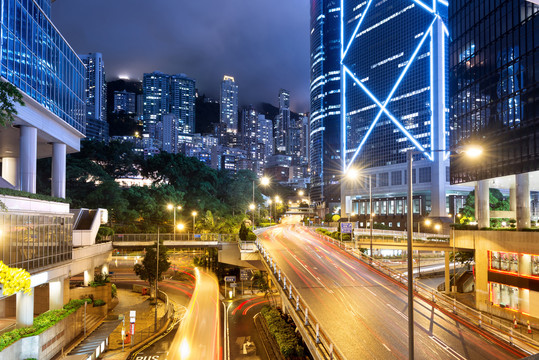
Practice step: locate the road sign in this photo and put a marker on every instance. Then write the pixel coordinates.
(244, 274)
(346, 228)
(230, 278)
(133, 314)
(234, 284)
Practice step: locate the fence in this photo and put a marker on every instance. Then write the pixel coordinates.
(495, 326)
(175, 237)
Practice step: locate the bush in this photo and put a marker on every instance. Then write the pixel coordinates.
(283, 332)
(41, 323)
(113, 291)
(98, 302)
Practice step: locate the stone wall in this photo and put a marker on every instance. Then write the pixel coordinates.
(99, 292)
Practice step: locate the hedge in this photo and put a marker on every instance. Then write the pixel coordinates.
(42, 323)
(283, 332)
(11, 192)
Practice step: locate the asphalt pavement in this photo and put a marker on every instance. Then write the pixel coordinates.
(364, 312)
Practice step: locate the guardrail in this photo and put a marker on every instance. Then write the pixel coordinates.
(178, 237)
(394, 233)
(143, 334)
(487, 322)
(317, 340)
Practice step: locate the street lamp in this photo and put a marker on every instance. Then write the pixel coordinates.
(172, 207)
(471, 152)
(252, 207)
(271, 216)
(352, 174)
(264, 181)
(194, 214)
(180, 227)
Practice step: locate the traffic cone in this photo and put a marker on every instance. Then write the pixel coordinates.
(529, 327)
(515, 321)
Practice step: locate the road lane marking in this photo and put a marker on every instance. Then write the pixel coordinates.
(371, 292)
(446, 347)
(388, 349)
(398, 312)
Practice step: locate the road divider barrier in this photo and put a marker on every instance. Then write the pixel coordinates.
(316, 339)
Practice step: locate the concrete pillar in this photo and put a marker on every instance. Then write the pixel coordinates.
(88, 276)
(447, 254)
(25, 309)
(56, 294)
(513, 198)
(482, 204)
(59, 170)
(523, 200)
(10, 170)
(28, 156)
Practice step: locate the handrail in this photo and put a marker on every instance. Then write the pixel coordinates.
(488, 323)
(323, 345)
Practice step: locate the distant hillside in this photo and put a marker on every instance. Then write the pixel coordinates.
(272, 111)
(206, 114)
(121, 124)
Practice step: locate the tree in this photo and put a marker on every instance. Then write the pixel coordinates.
(147, 270)
(497, 202)
(243, 231)
(9, 95)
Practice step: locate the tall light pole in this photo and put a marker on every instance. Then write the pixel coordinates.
(353, 174)
(194, 214)
(156, 278)
(264, 181)
(471, 152)
(271, 216)
(172, 207)
(252, 208)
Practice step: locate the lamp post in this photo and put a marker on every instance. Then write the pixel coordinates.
(194, 214)
(353, 174)
(172, 207)
(271, 216)
(156, 278)
(264, 181)
(252, 208)
(471, 152)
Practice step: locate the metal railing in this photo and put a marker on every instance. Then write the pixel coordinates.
(318, 341)
(229, 238)
(495, 326)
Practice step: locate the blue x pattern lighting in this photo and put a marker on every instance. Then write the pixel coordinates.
(348, 74)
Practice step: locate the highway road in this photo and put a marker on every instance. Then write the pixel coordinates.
(365, 312)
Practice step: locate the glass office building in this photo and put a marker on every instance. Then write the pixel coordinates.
(494, 74)
(38, 60)
(325, 138)
(388, 62)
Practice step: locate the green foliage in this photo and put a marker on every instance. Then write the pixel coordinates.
(243, 232)
(113, 290)
(147, 270)
(41, 323)
(283, 332)
(497, 202)
(335, 218)
(99, 302)
(9, 96)
(104, 233)
(463, 257)
(24, 194)
(100, 279)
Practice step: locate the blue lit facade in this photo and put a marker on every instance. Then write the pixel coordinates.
(394, 98)
(325, 132)
(37, 59)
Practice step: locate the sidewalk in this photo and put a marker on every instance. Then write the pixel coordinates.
(145, 316)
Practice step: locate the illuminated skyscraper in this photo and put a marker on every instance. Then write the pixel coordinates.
(394, 100)
(182, 102)
(325, 138)
(97, 127)
(155, 89)
(229, 103)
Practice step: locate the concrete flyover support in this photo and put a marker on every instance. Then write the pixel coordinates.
(446, 272)
(59, 170)
(10, 170)
(523, 200)
(88, 276)
(25, 309)
(28, 154)
(56, 294)
(482, 205)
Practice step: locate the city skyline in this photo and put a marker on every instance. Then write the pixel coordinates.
(273, 54)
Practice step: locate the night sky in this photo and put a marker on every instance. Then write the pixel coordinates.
(264, 44)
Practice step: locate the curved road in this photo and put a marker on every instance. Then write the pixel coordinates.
(365, 312)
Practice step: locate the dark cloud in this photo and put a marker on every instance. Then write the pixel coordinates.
(263, 44)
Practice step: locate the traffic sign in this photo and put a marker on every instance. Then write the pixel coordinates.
(234, 284)
(346, 227)
(230, 278)
(244, 274)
